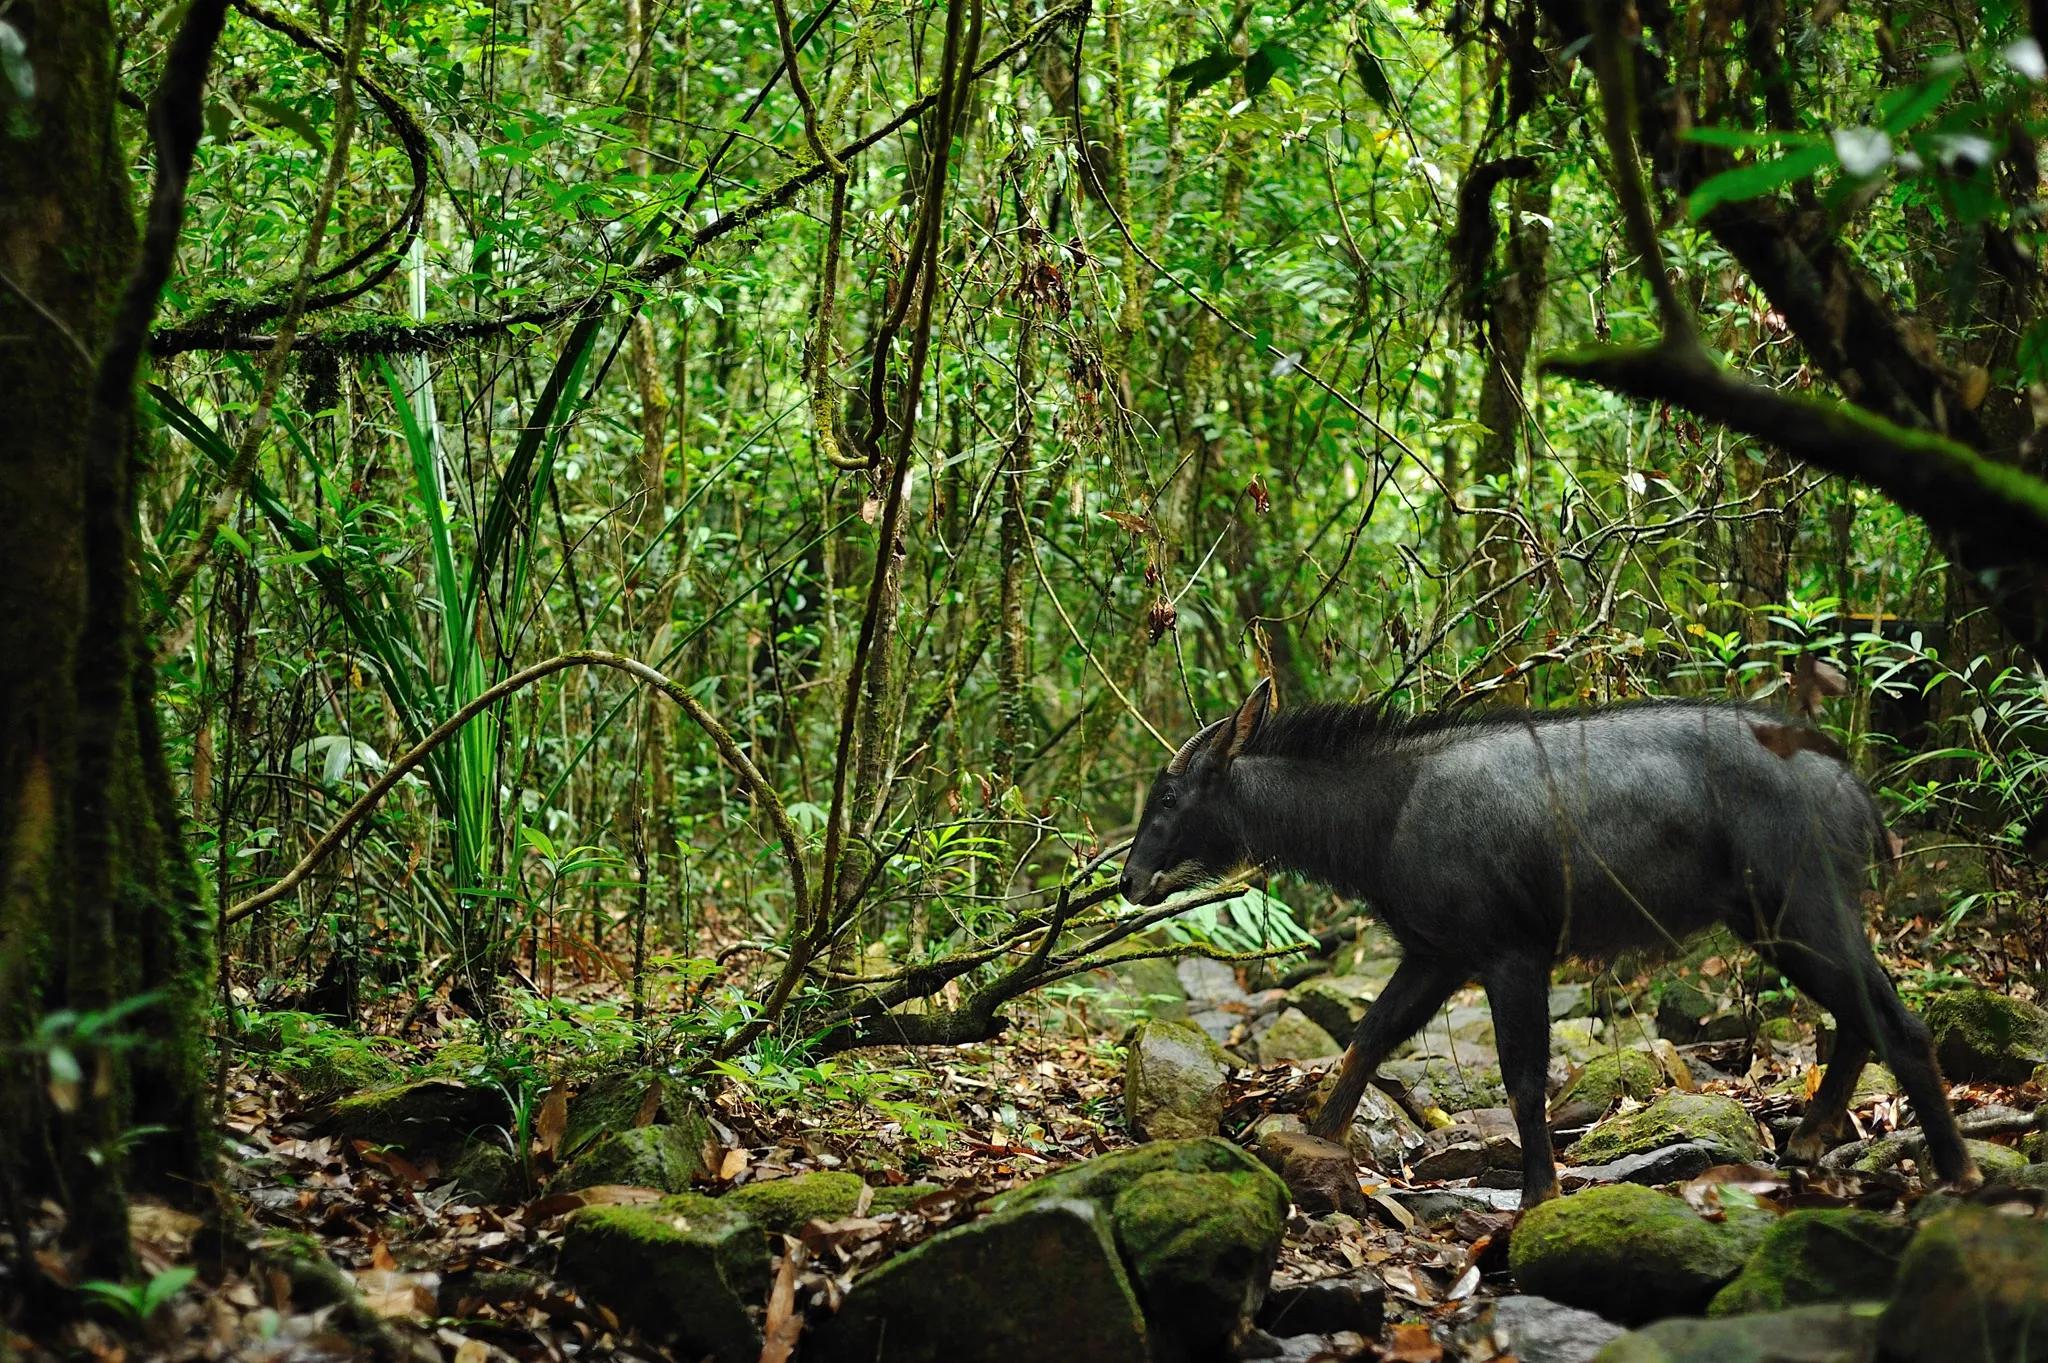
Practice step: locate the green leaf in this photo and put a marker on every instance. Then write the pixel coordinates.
(1372, 74)
(1203, 72)
(14, 62)
(1743, 139)
(287, 117)
(165, 1286)
(1260, 66)
(1903, 109)
(1757, 178)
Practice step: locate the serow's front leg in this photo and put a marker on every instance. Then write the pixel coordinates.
(1518, 988)
(1418, 988)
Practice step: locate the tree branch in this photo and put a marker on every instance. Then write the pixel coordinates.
(1943, 481)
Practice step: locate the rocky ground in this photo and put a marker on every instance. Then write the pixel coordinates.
(1105, 1187)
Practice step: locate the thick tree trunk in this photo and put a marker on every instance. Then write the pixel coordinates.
(99, 910)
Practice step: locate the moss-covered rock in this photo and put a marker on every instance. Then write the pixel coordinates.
(1973, 1288)
(425, 1117)
(620, 1102)
(1201, 1249)
(1335, 1003)
(1629, 1252)
(488, 1173)
(1998, 1163)
(1984, 1035)
(684, 1270)
(1148, 988)
(1674, 1117)
(1293, 1037)
(1449, 1085)
(666, 1157)
(1038, 1280)
(1806, 1334)
(1174, 1082)
(1103, 1178)
(1609, 1077)
(784, 1205)
(322, 1062)
(1817, 1255)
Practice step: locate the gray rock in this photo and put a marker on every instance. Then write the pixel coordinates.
(1434, 1206)
(1808, 1334)
(1174, 1082)
(1259, 1344)
(1666, 1164)
(1539, 1330)
(988, 1291)
(1208, 982)
(1675, 1117)
(1318, 1173)
(1459, 1159)
(1335, 1002)
(425, 1117)
(1293, 1037)
(1356, 1302)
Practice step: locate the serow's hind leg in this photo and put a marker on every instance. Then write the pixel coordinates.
(1830, 1106)
(1418, 988)
(1837, 969)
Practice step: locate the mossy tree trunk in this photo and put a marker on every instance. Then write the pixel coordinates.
(99, 907)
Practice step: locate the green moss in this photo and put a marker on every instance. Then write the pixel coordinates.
(1201, 1249)
(488, 1173)
(1979, 1289)
(1675, 1117)
(1104, 1177)
(1037, 1281)
(785, 1204)
(1174, 1081)
(685, 1269)
(666, 1157)
(1817, 1255)
(1804, 1334)
(1612, 1076)
(620, 1102)
(1984, 1035)
(425, 1116)
(1629, 1252)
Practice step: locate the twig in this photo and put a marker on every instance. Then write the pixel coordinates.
(757, 785)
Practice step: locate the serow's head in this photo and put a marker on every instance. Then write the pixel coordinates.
(1188, 835)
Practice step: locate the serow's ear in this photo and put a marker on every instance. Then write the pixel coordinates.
(1250, 717)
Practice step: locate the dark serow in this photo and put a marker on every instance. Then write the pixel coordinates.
(1493, 846)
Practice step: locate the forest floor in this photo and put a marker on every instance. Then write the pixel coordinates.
(447, 1271)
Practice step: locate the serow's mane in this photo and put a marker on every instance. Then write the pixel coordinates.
(1329, 732)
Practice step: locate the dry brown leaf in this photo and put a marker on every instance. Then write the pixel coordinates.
(1411, 1344)
(733, 1164)
(552, 1122)
(784, 1323)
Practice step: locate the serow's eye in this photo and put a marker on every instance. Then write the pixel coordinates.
(1168, 799)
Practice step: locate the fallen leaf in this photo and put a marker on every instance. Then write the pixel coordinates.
(552, 1122)
(734, 1164)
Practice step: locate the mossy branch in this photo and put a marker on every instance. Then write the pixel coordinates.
(728, 749)
(1944, 482)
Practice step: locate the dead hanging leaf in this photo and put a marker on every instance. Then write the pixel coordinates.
(552, 1122)
(1789, 740)
(1814, 681)
(1136, 525)
(1159, 620)
(1262, 500)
